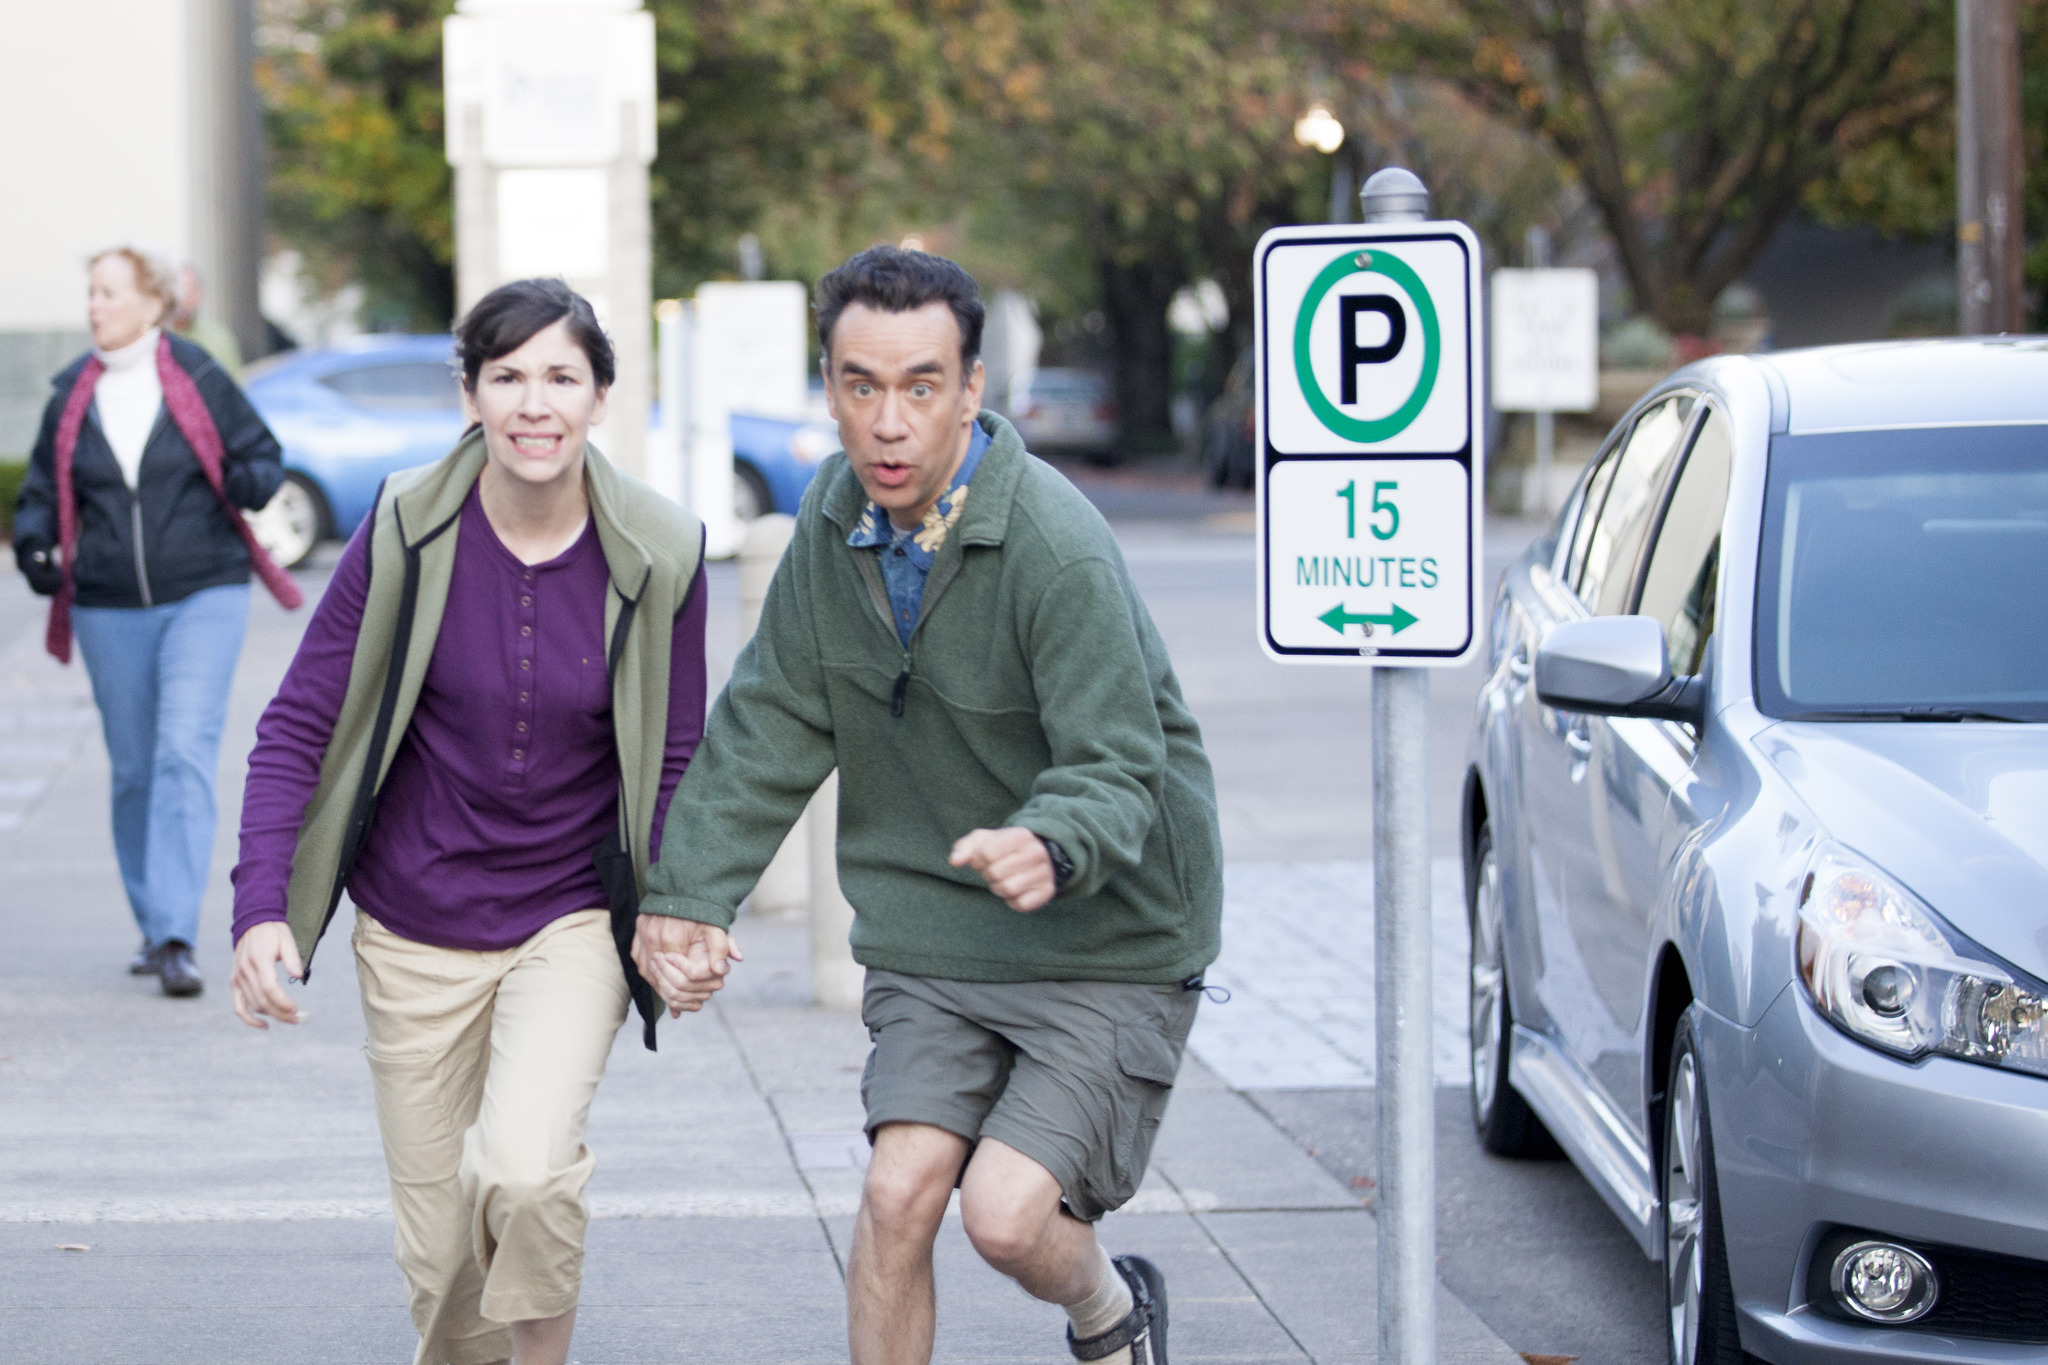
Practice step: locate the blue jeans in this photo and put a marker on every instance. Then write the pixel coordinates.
(160, 677)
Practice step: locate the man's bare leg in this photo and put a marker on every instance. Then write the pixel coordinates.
(1011, 1206)
(890, 1305)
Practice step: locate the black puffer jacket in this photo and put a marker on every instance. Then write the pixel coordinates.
(169, 537)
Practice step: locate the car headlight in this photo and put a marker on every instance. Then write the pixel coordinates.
(1884, 968)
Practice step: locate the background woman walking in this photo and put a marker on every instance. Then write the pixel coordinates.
(130, 519)
(478, 739)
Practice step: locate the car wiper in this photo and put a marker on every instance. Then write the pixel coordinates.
(1921, 713)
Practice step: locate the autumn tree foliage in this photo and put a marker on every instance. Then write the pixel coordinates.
(1695, 127)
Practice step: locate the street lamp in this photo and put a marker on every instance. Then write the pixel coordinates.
(1318, 128)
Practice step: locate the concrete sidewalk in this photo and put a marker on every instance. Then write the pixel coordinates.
(230, 1189)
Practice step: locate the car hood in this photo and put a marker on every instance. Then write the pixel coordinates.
(1958, 812)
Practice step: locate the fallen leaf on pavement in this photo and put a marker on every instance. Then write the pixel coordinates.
(73, 1246)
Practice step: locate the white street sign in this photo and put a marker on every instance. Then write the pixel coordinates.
(1368, 411)
(1546, 340)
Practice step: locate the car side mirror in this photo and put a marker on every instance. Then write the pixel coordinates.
(1616, 666)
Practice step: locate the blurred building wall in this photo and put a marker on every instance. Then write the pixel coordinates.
(126, 120)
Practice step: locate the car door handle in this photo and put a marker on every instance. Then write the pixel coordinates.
(1579, 740)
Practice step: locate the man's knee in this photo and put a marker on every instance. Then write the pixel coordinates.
(910, 1179)
(1007, 1208)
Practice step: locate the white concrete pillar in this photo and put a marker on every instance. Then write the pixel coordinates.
(836, 979)
(785, 887)
(550, 129)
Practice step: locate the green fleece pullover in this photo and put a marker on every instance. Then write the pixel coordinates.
(1035, 691)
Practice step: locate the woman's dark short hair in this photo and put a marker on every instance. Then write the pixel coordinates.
(893, 280)
(509, 316)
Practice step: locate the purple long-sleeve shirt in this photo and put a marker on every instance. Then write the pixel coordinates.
(507, 779)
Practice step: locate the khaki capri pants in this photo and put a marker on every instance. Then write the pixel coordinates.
(484, 1065)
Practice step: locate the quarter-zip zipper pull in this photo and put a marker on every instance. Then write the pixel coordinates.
(902, 691)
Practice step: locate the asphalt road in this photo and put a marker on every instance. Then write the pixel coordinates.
(1527, 1245)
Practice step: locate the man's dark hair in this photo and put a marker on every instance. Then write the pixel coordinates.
(893, 280)
(509, 316)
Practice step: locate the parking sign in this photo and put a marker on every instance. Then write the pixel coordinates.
(1368, 434)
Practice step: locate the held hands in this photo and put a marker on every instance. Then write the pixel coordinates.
(256, 987)
(1012, 861)
(683, 960)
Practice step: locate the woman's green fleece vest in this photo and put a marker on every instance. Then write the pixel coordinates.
(653, 548)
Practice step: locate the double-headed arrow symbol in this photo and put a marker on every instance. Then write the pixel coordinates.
(1336, 618)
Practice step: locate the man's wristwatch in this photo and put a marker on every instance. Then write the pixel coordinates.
(1062, 865)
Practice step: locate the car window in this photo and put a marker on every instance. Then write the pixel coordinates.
(1900, 573)
(414, 386)
(1684, 567)
(1591, 494)
(1633, 492)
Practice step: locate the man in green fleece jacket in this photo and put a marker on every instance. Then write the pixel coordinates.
(1027, 823)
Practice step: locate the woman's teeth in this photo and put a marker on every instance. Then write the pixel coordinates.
(537, 445)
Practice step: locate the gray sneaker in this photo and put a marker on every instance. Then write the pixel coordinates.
(1143, 1328)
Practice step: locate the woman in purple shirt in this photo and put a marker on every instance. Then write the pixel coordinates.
(491, 979)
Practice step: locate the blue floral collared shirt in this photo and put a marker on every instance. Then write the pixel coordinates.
(906, 556)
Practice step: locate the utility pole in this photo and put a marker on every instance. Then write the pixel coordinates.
(1536, 250)
(1989, 241)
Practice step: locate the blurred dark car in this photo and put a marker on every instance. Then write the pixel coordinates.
(349, 414)
(1227, 432)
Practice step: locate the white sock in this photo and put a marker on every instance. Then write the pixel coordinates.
(1109, 1305)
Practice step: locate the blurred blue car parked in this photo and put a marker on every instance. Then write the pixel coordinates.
(349, 414)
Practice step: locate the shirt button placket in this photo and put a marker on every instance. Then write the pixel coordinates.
(521, 737)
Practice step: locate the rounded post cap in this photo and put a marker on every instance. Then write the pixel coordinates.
(1394, 194)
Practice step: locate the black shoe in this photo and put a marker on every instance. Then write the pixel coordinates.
(147, 961)
(180, 973)
(1143, 1328)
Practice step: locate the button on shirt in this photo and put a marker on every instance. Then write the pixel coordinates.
(906, 556)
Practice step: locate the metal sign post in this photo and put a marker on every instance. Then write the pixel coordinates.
(1546, 349)
(1369, 486)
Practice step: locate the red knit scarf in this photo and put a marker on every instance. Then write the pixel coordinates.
(188, 410)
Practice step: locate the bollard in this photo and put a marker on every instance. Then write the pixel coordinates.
(785, 885)
(1405, 1131)
(836, 979)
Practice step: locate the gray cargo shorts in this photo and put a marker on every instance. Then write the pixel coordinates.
(1073, 1074)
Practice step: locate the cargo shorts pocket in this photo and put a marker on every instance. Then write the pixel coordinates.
(1147, 1063)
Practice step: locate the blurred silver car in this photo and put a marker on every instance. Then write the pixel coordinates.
(1067, 410)
(1756, 838)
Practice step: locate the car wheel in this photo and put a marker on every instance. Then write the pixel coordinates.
(292, 522)
(1505, 1123)
(750, 495)
(1698, 1297)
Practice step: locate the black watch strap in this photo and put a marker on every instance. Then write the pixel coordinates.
(1062, 865)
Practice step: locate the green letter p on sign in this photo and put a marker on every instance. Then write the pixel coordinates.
(1367, 421)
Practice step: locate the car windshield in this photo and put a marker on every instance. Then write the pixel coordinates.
(1904, 576)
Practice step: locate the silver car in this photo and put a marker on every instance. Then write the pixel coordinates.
(1756, 844)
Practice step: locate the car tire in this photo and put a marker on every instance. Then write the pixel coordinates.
(1699, 1299)
(751, 497)
(1502, 1118)
(292, 522)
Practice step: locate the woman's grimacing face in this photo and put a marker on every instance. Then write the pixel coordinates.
(116, 307)
(537, 405)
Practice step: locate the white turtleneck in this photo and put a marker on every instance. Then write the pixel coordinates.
(127, 399)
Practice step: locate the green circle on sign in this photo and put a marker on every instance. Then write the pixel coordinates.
(1401, 273)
